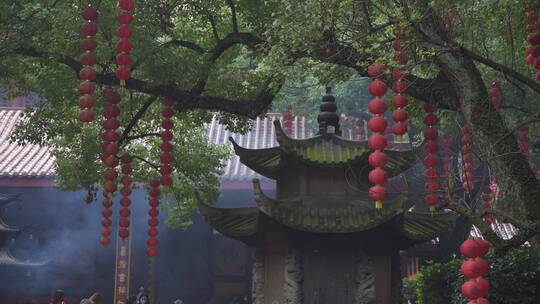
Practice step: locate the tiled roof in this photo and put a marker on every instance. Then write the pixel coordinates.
(261, 136)
(29, 161)
(505, 231)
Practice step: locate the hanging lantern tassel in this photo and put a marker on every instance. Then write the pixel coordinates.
(474, 268)
(431, 160)
(153, 222)
(377, 141)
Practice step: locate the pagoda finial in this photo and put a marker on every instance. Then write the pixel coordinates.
(328, 116)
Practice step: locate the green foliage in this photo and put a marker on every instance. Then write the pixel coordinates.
(514, 278)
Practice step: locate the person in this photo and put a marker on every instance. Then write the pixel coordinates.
(96, 298)
(142, 298)
(58, 297)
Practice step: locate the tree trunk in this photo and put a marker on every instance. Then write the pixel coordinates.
(492, 139)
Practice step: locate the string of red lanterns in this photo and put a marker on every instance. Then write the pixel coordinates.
(447, 159)
(532, 52)
(399, 85)
(106, 222)
(495, 94)
(377, 141)
(431, 160)
(523, 139)
(486, 198)
(166, 146)
(474, 268)
(449, 21)
(123, 47)
(125, 201)
(87, 73)
(466, 157)
(153, 222)
(109, 155)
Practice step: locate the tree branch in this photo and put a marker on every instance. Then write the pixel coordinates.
(247, 39)
(142, 135)
(133, 122)
(233, 13)
(156, 167)
(531, 83)
(185, 100)
(187, 44)
(214, 28)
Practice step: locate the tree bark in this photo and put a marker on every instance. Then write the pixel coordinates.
(489, 132)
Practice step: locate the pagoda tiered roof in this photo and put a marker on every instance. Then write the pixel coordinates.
(246, 222)
(328, 150)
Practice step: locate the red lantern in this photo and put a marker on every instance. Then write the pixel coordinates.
(89, 28)
(123, 72)
(377, 106)
(90, 13)
(377, 88)
(432, 199)
(123, 233)
(377, 193)
(377, 176)
(474, 268)
(86, 116)
(126, 4)
(151, 251)
(470, 248)
(377, 159)
(123, 59)
(88, 45)
(377, 142)
(87, 73)
(124, 31)
(376, 70)
(471, 290)
(125, 17)
(88, 58)
(483, 285)
(152, 242)
(87, 87)
(105, 241)
(400, 128)
(123, 46)
(377, 124)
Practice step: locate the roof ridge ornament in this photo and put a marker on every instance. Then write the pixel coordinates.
(328, 116)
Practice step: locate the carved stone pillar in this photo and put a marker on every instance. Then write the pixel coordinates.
(365, 280)
(257, 290)
(294, 276)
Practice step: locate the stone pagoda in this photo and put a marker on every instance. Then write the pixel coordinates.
(321, 240)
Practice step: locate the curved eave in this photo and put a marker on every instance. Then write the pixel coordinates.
(232, 222)
(341, 152)
(295, 215)
(10, 229)
(6, 259)
(426, 226)
(263, 161)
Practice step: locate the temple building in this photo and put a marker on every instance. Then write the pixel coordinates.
(321, 240)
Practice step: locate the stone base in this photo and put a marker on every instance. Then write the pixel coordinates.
(325, 269)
